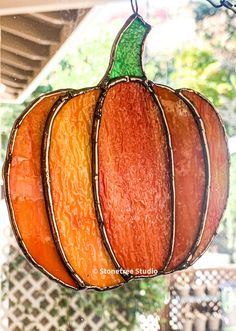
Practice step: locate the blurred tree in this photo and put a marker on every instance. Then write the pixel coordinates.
(199, 69)
(227, 232)
(221, 42)
(218, 29)
(222, 39)
(148, 297)
(8, 114)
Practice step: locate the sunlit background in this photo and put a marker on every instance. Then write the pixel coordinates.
(193, 45)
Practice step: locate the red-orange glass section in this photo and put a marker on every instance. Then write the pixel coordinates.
(219, 167)
(189, 172)
(134, 178)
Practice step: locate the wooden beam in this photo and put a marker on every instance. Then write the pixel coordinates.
(19, 61)
(23, 47)
(69, 34)
(15, 72)
(13, 82)
(30, 29)
(9, 7)
(57, 17)
(13, 90)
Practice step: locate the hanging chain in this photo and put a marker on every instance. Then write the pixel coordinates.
(134, 5)
(223, 3)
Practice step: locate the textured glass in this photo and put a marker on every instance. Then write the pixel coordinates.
(189, 172)
(128, 55)
(219, 167)
(72, 194)
(134, 178)
(26, 191)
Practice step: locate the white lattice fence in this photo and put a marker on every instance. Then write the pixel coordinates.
(31, 302)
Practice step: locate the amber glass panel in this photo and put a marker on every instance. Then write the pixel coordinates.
(134, 178)
(219, 166)
(26, 192)
(189, 172)
(72, 194)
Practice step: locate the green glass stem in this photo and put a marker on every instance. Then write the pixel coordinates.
(126, 56)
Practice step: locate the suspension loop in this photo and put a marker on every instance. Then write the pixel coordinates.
(223, 3)
(134, 5)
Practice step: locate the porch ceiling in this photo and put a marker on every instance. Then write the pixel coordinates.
(28, 42)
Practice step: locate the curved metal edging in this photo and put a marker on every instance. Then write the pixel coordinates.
(47, 188)
(95, 177)
(171, 174)
(191, 262)
(185, 263)
(6, 177)
(205, 200)
(95, 162)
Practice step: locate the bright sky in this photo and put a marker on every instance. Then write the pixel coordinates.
(159, 9)
(172, 22)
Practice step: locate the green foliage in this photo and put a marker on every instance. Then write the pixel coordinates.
(122, 305)
(84, 66)
(41, 89)
(125, 303)
(204, 10)
(231, 211)
(8, 115)
(159, 70)
(199, 69)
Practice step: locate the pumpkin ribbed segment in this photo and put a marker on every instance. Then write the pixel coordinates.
(25, 193)
(134, 179)
(189, 172)
(70, 189)
(219, 167)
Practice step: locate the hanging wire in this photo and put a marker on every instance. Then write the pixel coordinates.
(223, 3)
(134, 5)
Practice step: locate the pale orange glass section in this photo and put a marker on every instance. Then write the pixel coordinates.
(26, 192)
(70, 161)
(219, 165)
(189, 172)
(134, 179)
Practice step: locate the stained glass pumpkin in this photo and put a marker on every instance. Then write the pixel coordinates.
(124, 180)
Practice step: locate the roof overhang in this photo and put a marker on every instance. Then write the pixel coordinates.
(13, 7)
(34, 37)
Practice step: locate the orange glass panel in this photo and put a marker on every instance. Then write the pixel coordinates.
(71, 188)
(189, 172)
(219, 164)
(134, 179)
(26, 192)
